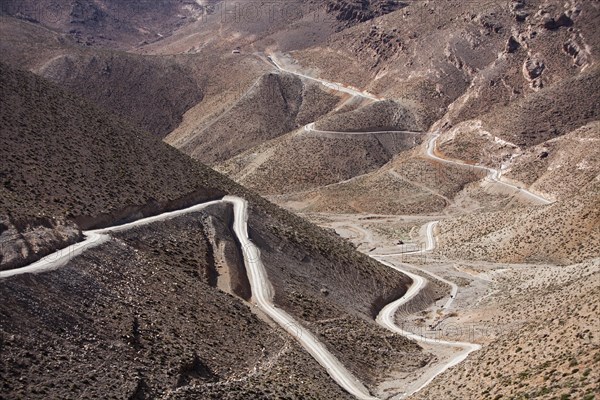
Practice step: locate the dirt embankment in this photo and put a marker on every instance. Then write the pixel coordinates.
(429, 294)
(229, 269)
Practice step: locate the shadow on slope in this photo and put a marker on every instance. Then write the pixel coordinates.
(151, 92)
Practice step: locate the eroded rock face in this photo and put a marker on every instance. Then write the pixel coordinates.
(25, 240)
(532, 71)
(552, 23)
(576, 51)
(533, 68)
(512, 45)
(356, 11)
(381, 43)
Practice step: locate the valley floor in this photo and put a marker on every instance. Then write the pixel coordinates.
(506, 308)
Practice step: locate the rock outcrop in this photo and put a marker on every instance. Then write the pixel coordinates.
(25, 240)
(357, 11)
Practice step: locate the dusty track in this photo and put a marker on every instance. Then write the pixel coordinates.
(492, 175)
(262, 293)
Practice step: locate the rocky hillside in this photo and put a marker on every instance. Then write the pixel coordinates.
(155, 325)
(558, 168)
(472, 56)
(553, 111)
(110, 23)
(285, 26)
(548, 346)
(82, 149)
(379, 116)
(275, 104)
(109, 173)
(561, 167)
(356, 11)
(129, 85)
(133, 87)
(408, 184)
(83, 178)
(565, 232)
(304, 160)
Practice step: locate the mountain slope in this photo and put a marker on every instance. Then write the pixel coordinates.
(457, 59)
(275, 104)
(98, 171)
(548, 346)
(407, 184)
(130, 85)
(384, 115)
(565, 232)
(110, 23)
(550, 112)
(563, 166)
(82, 149)
(153, 325)
(304, 160)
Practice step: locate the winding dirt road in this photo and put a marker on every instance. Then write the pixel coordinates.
(387, 319)
(430, 246)
(93, 239)
(331, 85)
(262, 292)
(311, 128)
(493, 175)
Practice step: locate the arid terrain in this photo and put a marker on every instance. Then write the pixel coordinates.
(337, 199)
